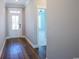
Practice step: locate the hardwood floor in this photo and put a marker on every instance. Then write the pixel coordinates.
(18, 48)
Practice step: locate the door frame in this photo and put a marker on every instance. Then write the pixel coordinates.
(7, 36)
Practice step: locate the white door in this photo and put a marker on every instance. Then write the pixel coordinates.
(14, 22)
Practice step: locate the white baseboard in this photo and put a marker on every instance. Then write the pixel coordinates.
(2, 48)
(34, 46)
(13, 37)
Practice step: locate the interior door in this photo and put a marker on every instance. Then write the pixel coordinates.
(14, 22)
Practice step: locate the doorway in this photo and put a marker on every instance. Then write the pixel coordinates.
(14, 22)
(42, 27)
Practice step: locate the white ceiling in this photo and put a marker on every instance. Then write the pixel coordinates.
(21, 2)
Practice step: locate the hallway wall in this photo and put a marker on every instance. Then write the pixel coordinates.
(2, 23)
(63, 29)
(31, 21)
(78, 32)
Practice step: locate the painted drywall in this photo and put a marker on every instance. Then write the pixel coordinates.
(77, 51)
(2, 23)
(42, 3)
(30, 22)
(63, 29)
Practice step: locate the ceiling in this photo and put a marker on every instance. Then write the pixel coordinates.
(19, 2)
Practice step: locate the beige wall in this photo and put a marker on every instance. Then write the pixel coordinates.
(63, 29)
(78, 29)
(42, 3)
(2, 23)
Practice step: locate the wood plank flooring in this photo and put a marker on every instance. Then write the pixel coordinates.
(18, 48)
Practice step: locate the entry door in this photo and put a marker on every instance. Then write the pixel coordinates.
(14, 22)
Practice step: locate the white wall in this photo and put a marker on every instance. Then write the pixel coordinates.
(2, 23)
(30, 22)
(78, 29)
(63, 29)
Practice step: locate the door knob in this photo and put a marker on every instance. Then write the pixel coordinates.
(19, 25)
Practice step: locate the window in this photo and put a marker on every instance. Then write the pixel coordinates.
(15, 12)
(15, 22)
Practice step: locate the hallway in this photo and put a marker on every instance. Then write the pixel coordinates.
(18, 48)
(20, 35)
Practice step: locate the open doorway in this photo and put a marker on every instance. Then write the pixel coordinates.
(42, 39)
(41, 28)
